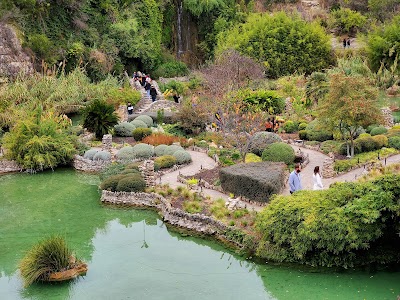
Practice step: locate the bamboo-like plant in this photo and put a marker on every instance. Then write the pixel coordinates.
(48, 256)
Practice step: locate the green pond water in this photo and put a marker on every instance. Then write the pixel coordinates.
(132, 255)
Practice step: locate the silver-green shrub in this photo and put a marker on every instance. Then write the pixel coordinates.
(172, 149)
(143, 151)
(124, 129)
(160, 149)
(126, 154)
(90, 154)
(146, 119)
(138, 124)
(102, 155)
(261, 140)
(182, 157)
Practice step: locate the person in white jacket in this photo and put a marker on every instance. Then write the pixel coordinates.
(317, 180)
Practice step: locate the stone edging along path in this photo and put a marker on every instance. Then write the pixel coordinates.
(193, 222)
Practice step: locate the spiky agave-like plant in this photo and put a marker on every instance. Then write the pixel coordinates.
(48, 256)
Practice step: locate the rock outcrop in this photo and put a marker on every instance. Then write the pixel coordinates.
(13, 60)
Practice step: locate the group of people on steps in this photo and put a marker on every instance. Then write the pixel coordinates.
(146, 82)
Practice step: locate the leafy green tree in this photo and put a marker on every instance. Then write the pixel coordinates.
(347, 20)
(284, 44)
(349, 224)
(350, 105)
(384, 46)
(383, 9)
(40, 141)
(198, 7)
(99, 117)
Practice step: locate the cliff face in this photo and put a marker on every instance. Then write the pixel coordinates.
(13, 60)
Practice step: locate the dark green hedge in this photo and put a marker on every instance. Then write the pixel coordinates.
(255, 181)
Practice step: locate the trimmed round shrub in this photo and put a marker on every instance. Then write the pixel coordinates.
(146, 119)
(130, 171)
(378, 130)
(381, 141)
(303, 134)
(172, 149)
(110, 183)
(126, 154)
(131, 183)
(370, 127)
(364, 135)
(160, 149)
(102, 155)
(279, 152)
(365, 144)
(134, 166)
(90, 154)
(316, 132)
(394, 142)
(164, 162)
(261, 140)
(302, 126)
(138, 124)
(143, 151)
(124, 129)
(289, 126)
(182, 157)
(140, 133)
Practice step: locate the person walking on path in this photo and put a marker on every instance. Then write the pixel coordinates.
(295, 179)
(129, 108)
(317, 180)
(344, 43)
(153, 93)
(147, 87)
(348, 43)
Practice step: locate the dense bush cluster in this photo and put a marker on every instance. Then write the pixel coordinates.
(366, 143)
(316, 132)
(255, 181)
(102, 155)
(160, 149)
(140, 133)
(125, 154)
(138, 123)
(349, 224)
(263, 100)
(260, 141)
(284, 44)
(158, 138)
(146, 119)
(279, 152)
(182, 157)
(378, 130)
(118, 177)
(143, 151)
(124, 129)
(164, 162)
(172, 149)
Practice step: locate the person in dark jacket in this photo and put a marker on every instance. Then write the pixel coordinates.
(147, 87)
(153, 93)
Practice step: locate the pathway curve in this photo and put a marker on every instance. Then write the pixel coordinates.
(317, 158)
(202, 160)
(199, 161)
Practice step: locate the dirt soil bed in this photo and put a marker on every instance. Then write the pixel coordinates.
(209, 176)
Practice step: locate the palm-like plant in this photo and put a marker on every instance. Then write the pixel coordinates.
(99, 117)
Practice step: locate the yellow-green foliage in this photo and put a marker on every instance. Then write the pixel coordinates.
(250, 157)
(284, 44)
(346, 225)
(192, 207)
(48, 256)
(40, 141)
(362, 158)
(218, 209)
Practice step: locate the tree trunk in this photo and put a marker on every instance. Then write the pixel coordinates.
(352, 146)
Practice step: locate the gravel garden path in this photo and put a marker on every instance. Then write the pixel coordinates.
(203, 161)
(317, 159)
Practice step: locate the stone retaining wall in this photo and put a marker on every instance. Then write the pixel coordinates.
(177, 217)
(9, 166)
(86, 165)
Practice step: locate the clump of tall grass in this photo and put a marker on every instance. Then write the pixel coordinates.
(48, 256)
